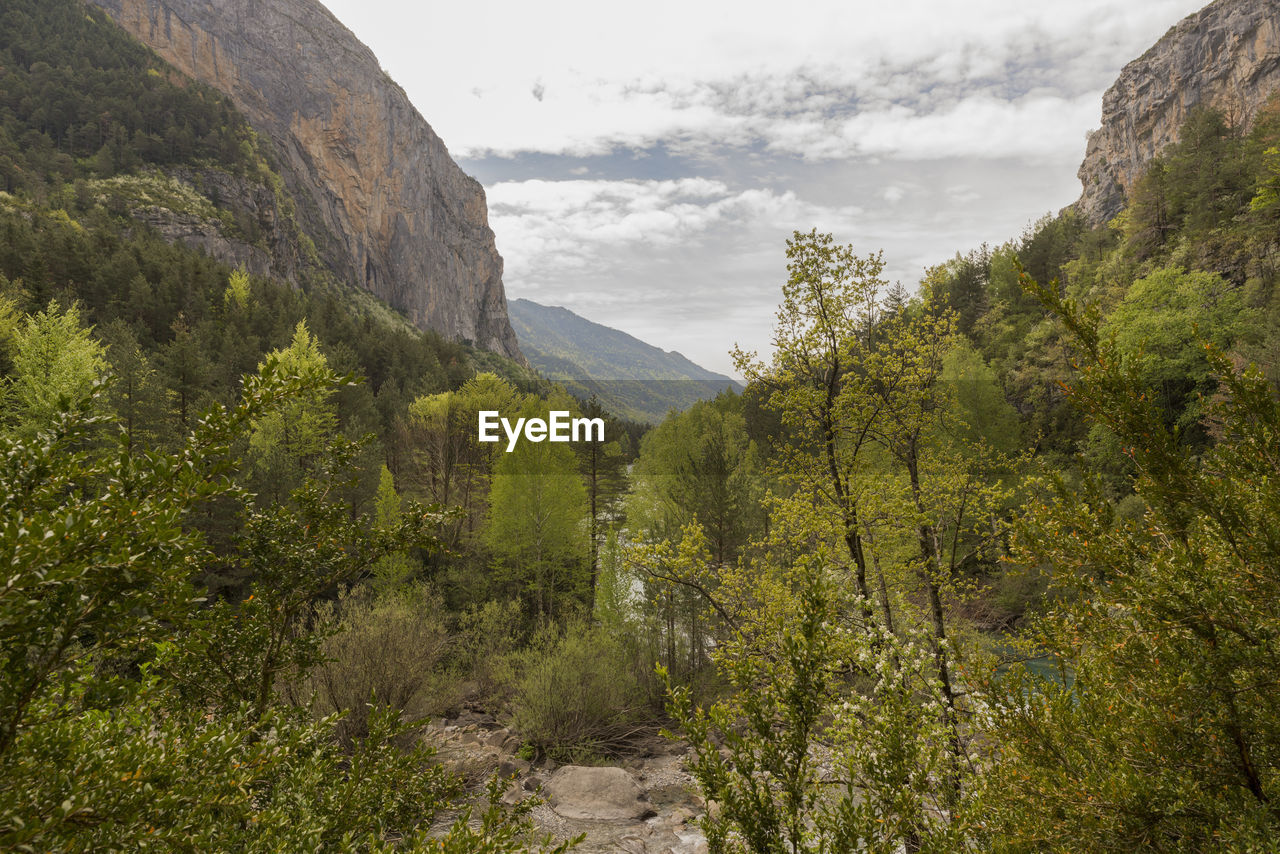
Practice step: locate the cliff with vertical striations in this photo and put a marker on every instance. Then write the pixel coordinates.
(1226, 56)
(387, 206)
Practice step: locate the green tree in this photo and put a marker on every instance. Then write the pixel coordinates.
(286, 443)
(536, 525)
(603, 468)
(55, 363)
(394, 570)
(700, 465)
(135, 393)
(1167, 733)
(830, 303)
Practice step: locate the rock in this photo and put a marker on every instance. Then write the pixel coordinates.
(497, 737)
(1226, 56)
(599, 794)
(532, 783)
(512, 765)
(679, 816)
(514, 794)
(388, 208)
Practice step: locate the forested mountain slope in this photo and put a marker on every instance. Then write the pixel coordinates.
(1192, 255)
(388, 209)
(629, 376)
(129, 189)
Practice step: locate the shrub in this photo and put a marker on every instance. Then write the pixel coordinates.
(390, 649)
(581, 694)
(490, 636)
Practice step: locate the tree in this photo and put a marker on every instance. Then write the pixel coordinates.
(287, 442)
(1166, 733)
(828, 310)
(537, 519)
(603, 468)
(135, 393)
(700, 465)
(55, 362)
(99, 750)
(394, 570)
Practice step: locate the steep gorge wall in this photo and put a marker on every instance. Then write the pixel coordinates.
(395, 214)
(1226, 56)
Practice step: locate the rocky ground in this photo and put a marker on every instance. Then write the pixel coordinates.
(646, 804)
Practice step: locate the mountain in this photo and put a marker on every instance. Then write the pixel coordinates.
(132, 193)
(1225, 57)
(379, 195)
(631, 378)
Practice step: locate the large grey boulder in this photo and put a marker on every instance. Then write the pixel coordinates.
(601, 794)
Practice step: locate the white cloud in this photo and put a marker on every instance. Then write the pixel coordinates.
(548, 228)
(920, 127)
(580, 77)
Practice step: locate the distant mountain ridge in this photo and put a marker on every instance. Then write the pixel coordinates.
(630, 377)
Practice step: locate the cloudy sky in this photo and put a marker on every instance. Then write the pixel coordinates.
(645, 163)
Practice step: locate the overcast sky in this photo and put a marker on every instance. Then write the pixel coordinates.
(645, 163)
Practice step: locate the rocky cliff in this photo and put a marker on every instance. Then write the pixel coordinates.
(1226, 56)
(387, 206)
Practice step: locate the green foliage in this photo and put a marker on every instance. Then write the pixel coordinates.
(286, 442)
(237, 295)
(395, 570)
(768, 784)
(1164, 321)
(449, 465)
(381, 650)
(582, 694)
(293, 554)
(537, 525)
(55, 362)
(1168, 736)
(101, 747)
(700, 465)
(155, 776)
(490, 638)
(800, 757)
(99, 552)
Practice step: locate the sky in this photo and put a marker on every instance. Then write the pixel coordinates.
(645, 163)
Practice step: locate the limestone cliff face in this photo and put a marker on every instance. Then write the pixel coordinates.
(1226, 56)
(387, 206)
